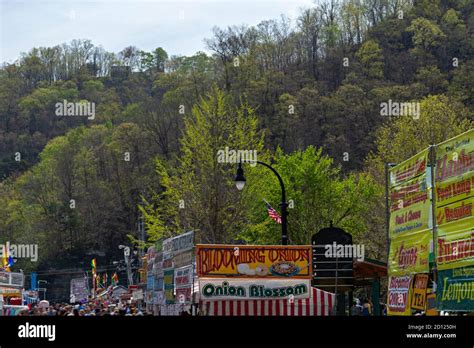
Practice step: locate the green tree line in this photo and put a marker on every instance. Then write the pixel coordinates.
(306, 95)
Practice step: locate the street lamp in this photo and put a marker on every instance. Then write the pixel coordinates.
(126, 256)
(240, 178)
(240, 183)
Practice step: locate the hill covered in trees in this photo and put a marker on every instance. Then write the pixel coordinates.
(305, 95)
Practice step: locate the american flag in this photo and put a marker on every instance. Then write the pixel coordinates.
(273, 213)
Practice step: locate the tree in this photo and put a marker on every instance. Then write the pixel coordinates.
(462, 84)
(199, 192)
(130, 57)
(228, 45)
(310, 27)
(401, 137)
(153, 61)
(427, 35)
(317, 195)
(371, 59)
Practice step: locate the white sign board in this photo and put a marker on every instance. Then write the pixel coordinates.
(137, 295)
(79, 291)
(253, 289)
(13, 279)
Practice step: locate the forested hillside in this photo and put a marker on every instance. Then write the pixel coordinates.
(305, 94)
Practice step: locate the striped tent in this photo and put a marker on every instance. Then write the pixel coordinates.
(320, 303)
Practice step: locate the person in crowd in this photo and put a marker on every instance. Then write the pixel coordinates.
(367, 308)
(356, 309)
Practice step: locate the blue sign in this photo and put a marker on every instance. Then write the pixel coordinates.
(34, 283)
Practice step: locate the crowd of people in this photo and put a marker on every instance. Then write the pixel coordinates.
(365, 308)
(87, 309)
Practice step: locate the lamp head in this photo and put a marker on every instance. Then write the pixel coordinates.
(240, 178)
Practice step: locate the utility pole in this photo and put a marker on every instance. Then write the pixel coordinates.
(141, 250)
(387, 205)
(141, 232)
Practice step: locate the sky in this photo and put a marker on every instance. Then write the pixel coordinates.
(180, 26)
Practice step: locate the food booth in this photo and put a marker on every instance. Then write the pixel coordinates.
(319, 303)
(245, 280)
(11, 291)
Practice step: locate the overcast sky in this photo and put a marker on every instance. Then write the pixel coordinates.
(178, 26)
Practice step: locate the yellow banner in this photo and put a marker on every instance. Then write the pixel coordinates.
(410, 207)
(454, 190)
(247, 261)
(399, 294)
(455, 212)
(455, 158)
(409, 169)
(455, 244)
(410, 216)
(409, 253)
(455, 202)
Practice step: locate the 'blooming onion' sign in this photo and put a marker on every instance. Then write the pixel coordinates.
(248, 261)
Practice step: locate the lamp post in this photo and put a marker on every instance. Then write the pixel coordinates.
(126, 256)
(44, 289)
(240, 183)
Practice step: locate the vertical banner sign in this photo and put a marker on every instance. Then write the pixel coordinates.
(183, 281)
(176, 263)
(455, 219)
(168, 271)
(410, 217)
(169, 285)
(399, 291)
(418, 298)
(454, 202)
(34, 283)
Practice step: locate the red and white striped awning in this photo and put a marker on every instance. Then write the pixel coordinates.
(319, 304)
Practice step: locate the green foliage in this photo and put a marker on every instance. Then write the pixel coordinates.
(371, 59)
(287, 93)
(402, 137)
(426, 34)
(198, 192)
(317, 194)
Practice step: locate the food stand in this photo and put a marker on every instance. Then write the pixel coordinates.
(431, 258)
(246, 280)
(11, 287)
(320, 303)
(170, 277)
